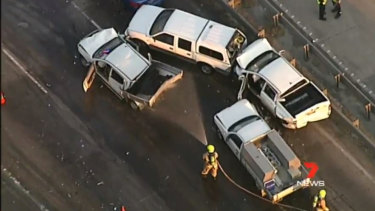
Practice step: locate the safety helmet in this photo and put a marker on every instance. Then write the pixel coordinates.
(322, 194)
(210, 148)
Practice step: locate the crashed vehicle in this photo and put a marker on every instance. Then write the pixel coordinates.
(211, 45)
(283, 90)
(123, 69)
(277, 171)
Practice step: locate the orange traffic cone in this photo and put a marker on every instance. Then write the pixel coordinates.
(123, 208)
(3, 100)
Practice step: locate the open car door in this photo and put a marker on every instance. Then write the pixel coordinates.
(89, 78)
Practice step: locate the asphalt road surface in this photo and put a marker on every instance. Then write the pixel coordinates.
(63, 149)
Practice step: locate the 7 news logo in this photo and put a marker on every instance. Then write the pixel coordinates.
(309, 182)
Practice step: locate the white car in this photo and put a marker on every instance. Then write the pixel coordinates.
(122, 69)
(211, 45)
(283, 90)
(275, 168)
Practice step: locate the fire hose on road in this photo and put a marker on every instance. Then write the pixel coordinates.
(254, 194)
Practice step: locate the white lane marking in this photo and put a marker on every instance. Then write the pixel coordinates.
(348, 155)
(14, 60)
(86, 16)
(18, 185)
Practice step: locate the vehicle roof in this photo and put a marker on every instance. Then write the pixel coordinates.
(96, 40)
(185, 25)
(216, 35)
(126, 60)
(252, 51)
(236, 112)
(281, 74)
(192, 27)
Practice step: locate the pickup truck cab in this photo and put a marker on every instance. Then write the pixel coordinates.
(275, 168)
(283, 90)
(211, 45)
(122, 69)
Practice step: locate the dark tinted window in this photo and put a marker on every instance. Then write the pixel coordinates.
(270, 92)
(237, 141)
(165, 38)
(184, 44)
(211, 53)
(258, 85)
(117, 77)
(160, 21)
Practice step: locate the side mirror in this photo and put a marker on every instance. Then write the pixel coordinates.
(282, 52)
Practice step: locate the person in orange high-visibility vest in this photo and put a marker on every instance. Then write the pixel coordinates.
(210, 162)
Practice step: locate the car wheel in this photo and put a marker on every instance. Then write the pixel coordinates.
(134, 105)
(206, 69)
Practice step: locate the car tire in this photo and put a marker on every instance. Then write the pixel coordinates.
(206, 69)
(134, 105)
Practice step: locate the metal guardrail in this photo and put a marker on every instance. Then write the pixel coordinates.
(340, 74)
(312, 44)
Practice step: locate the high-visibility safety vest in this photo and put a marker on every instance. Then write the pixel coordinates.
(317, 203)
(212, 157)
(324, 2)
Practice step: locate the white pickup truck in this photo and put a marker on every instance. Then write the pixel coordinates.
(211, 45)
(274, 166)
(280, 86)
(122, 69)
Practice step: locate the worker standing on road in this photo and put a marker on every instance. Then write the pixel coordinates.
(336, 8)
(322, 9)
(319, 203)
(210, 162)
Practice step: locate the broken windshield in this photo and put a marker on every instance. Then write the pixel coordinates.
(106, 49)
(262, 60)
